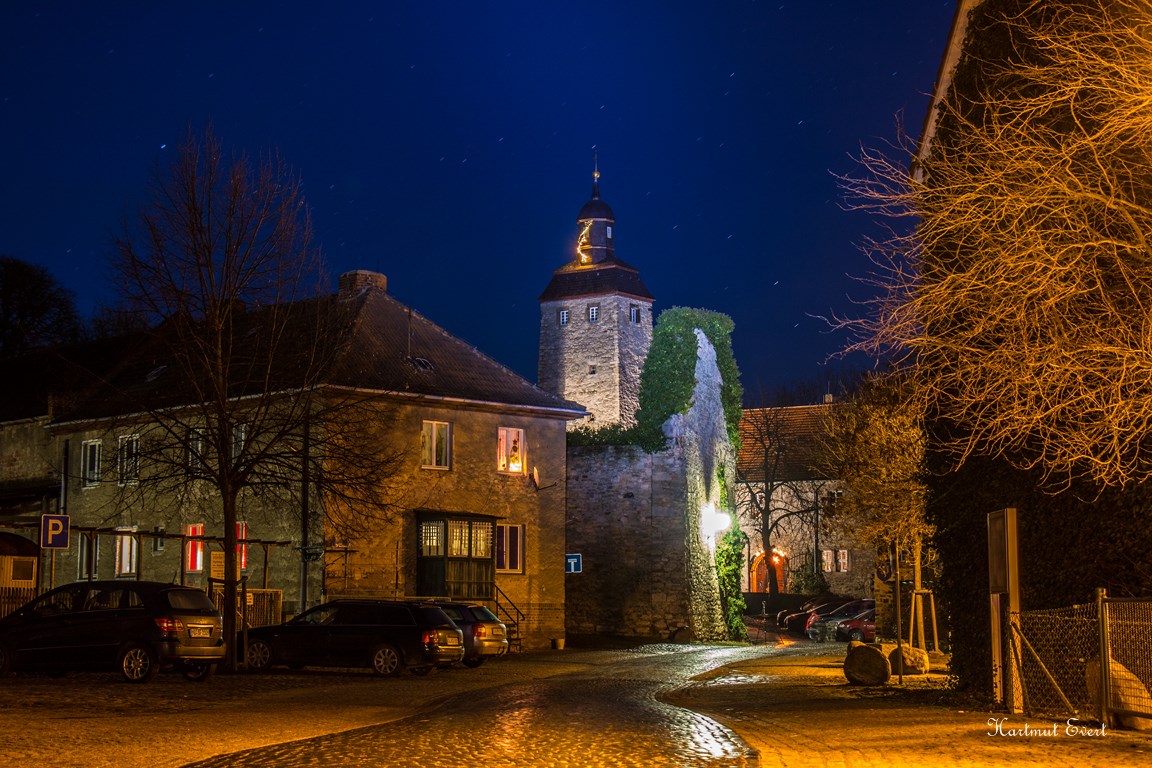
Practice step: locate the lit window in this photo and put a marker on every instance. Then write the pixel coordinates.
(457, 538)
(128, 459)
(435, 445)
(593, 313)
(510, 548)
(510, 450)
(126, 550)
(634, 313)
(828, 560)
(481, 539)
(842, 560)
(563, 317)
(90, 463)
(241, 547)
(432, 538)
(194, 551)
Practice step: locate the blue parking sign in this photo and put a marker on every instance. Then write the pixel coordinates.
(573, 563)
(54, 532)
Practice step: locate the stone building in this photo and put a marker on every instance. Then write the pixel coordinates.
(779, 477)
(595, 323)
(476, 491)
(643, 523)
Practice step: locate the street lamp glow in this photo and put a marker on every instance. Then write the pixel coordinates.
(712, 522)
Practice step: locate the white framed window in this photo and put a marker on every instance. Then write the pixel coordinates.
(128, 459)
(194, 550)
(127, 551)
(828, 560)
(88, 560)
(239, 440)
(510, 450)
(195, 459)
(509, 548)
(90, 463)
(842, 560)
(633, 313)
(593, 313)
(436, 445)
(563, 317)
(241, 546)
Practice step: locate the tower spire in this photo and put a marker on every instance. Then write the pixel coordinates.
(595, 176)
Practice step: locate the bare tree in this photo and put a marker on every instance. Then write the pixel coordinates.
(775, 479)
(35, 310)
(233, 398)
(1017, 277)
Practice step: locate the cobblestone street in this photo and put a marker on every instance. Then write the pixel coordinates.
(657, 705)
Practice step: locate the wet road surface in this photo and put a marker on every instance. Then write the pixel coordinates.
(603, 716)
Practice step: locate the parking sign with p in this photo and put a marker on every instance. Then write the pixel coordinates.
(54, 531)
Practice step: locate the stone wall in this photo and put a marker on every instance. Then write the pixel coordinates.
(596, 364)
(638, 520)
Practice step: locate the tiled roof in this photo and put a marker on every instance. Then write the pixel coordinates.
(387, 348)
(790, 436)
(607, 277)
(396, 349)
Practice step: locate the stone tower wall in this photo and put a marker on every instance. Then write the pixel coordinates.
(596, 364)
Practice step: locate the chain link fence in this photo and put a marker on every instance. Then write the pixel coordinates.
(1058, 653)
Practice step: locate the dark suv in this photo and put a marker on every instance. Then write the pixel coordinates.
(386, 635)
(136, 627)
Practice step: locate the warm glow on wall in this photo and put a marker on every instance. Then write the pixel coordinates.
(712, 522)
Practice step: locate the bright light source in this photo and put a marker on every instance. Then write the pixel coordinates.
(712, 522)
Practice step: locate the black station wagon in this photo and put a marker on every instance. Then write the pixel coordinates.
(387, 636)
(136, 627)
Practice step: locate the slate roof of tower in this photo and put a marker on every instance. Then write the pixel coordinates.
(389, 348)
(611, 276)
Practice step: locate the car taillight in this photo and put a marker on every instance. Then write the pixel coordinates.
(170, 626)
(811, 620)
(480, 631)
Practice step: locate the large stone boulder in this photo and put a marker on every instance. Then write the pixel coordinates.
(915, 660)
(1127, 692)
(866, 665)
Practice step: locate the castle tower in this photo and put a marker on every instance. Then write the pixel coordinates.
(595, 323)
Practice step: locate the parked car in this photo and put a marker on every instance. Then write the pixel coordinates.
(485, 636)
(136, 627)
(386, 635)
(796, 623)
(862, 627)
(822, 625)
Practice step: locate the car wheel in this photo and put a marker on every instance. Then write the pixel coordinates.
(138, 663)
(197, 671)
(385, 661)
(857, 635)
(474, 662)
(259, 656)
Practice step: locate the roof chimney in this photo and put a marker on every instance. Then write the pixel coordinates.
(353, 283)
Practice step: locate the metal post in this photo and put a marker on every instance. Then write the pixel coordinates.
(899, 621)
(1105, 703)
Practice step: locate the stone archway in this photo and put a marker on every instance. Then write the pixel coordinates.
(758, 575)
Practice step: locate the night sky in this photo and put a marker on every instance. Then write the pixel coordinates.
(450, 145)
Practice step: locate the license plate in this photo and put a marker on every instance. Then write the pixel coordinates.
(200, 631)
(453, 640)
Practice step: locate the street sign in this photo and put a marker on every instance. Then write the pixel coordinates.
(54, 532)
(573, 563)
